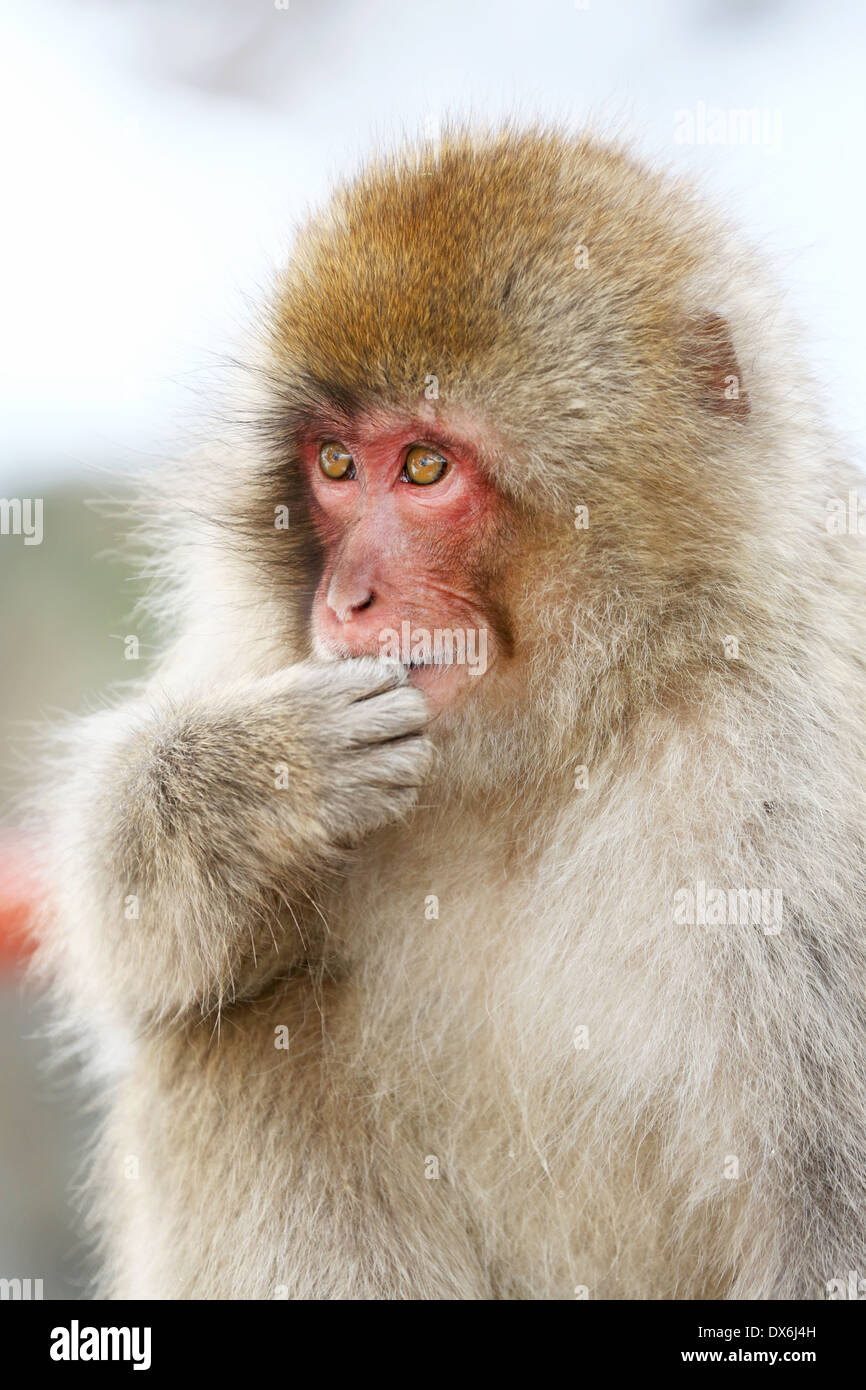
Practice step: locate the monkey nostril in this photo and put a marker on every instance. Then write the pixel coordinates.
(345, 612)
(346, 601)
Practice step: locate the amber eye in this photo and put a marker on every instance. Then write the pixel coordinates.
(424, 466)
(335, 461)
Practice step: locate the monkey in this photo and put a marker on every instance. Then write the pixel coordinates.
(413, 976)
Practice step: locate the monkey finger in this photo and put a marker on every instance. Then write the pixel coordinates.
(403, 762)
(389, 717)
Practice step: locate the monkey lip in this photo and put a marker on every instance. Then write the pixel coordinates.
(442, 683)
(433, 670)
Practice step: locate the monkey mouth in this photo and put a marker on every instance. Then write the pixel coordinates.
(431, 668)
(442, 668)
(445, 684)
(427, 670)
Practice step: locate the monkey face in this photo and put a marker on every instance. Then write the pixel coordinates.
(410, 533)
(496, 433)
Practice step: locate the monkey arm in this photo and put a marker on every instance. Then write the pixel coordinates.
(197, 828)
(171, 885)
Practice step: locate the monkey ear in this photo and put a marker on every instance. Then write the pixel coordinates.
(714, 366)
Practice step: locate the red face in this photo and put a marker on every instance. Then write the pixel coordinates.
(408, 525)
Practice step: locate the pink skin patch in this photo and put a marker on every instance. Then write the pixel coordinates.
(397, 553)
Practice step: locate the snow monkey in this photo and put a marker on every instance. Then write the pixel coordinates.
(478, 884)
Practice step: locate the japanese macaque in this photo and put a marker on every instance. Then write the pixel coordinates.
(479, 883)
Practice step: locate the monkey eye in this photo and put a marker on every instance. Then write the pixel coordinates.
(335, 461)
(424, 466)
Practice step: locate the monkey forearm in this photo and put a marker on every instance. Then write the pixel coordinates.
(178, 840)
(196, 826)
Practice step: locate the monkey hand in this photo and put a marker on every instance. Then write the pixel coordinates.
(195, 817)
(347, 744)
(251, 784)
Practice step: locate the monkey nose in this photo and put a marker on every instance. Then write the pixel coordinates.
(345, 605)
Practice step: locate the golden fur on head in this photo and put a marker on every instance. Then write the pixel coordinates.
(546, 282)
(588, 318)
(511, 1068)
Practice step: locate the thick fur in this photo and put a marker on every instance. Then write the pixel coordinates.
(708, 1138)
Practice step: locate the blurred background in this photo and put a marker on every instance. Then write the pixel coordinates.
(156, 156)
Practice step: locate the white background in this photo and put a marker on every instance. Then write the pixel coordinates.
(157, 156)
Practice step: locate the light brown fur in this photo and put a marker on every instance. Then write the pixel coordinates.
(302, 1173)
